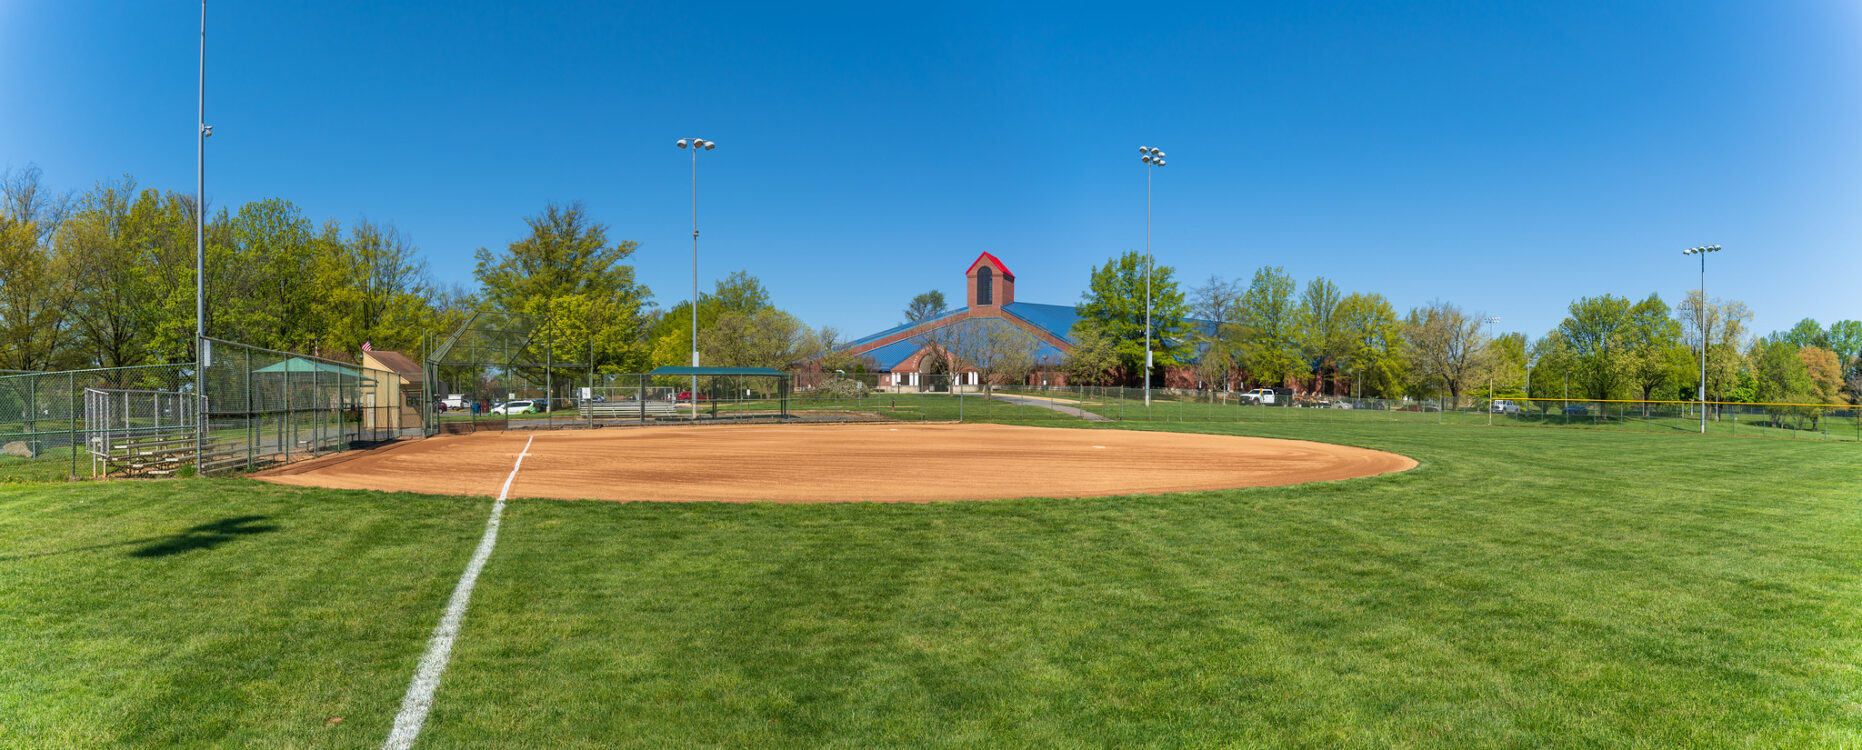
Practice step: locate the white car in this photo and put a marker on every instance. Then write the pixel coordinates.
(1259, 396)
(514, 407)
(1503, 406)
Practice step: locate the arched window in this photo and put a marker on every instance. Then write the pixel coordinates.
(985, 286)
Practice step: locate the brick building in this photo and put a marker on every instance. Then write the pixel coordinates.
(901, 354)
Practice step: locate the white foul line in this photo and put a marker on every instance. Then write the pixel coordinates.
(419, 697)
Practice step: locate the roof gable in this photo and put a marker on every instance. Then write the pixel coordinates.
(997, 262)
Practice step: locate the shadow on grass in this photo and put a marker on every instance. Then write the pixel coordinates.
(206, 536)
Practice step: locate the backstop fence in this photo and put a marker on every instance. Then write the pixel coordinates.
(249, 407)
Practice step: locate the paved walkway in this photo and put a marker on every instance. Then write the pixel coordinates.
(1048, 403)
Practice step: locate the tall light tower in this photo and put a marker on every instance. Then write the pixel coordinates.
(1702, 323)
(203, 353)
(1490, 342)
(1152, 158)
(697, 145)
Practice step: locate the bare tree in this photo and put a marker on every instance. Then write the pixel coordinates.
(998, 350)
(1217, 301)
(1445, 342)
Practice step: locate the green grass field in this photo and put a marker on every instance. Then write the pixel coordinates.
(1521, 588)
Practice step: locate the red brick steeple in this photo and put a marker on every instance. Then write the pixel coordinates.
(989, 283)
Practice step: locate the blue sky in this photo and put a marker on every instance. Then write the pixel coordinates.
(1508, 157)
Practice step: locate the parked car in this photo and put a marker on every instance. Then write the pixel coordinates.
(456, 402)
(509, 408)
(1577, 410)
(687, 396)
(1269, 396)
(1504, 406)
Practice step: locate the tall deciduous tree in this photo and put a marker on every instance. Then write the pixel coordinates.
(1114, 302)
(1373, 352)
(1719, 327)
(568, 255)
(1652, 345)
(1597, 330)
(1269, 325)
(1445, 344)
(1322, 333)
(34, 286)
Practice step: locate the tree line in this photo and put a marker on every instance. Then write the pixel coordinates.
(105, 278)
(1272, 331)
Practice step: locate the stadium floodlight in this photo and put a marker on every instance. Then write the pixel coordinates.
(1152, 157)
(1701, 322)
(698, 144)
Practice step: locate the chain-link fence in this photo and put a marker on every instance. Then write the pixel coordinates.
(42, 430)
(266, 407)
(1834, 422)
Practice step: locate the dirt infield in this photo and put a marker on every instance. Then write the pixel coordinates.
(801, 464)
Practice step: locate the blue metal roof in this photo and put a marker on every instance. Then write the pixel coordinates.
(1056, 320)
(902, 327)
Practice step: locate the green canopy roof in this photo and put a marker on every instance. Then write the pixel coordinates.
(770, 371)
(300, 365)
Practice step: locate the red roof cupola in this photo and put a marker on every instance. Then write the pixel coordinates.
(989, 282)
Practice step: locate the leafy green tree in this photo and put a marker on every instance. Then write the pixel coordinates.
(1114, 303)
(1846, 341)
(671, 333)
(926, 306)
(1094, 354)
(1268, 327)
(567, 256)
(1216, 303)
(1322, 335)
(34, 285)
(1807, 332)
(1373, 351)
(1782, 378)
(106, 246)
(1596, 329)
(1652, 347)
(379, 293)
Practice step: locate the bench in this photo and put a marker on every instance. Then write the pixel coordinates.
(629, 409)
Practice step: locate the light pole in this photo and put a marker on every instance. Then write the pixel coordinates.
(1152, 158)
(1490, 368)
(1701, 323)
(203, 353)
(697, 145)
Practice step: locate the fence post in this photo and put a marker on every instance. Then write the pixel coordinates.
(252, 429)
(71, 385)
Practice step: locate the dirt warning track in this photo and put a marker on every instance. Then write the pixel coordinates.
(839, 463)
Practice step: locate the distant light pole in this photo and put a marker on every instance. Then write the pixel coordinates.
(1490, 368)
(1701, 322)
(1152, 158)
(697, 144)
